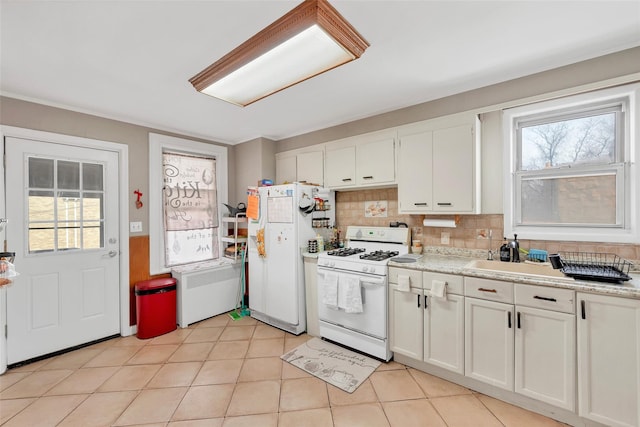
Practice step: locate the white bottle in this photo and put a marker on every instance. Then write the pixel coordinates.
(320, 241)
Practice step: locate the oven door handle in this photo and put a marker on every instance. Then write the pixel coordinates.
(363, 281)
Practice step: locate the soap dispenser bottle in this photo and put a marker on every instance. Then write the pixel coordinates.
(505, 254)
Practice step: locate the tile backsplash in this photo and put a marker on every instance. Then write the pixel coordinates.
(471, 232)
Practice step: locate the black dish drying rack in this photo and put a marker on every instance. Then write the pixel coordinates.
(601, 267)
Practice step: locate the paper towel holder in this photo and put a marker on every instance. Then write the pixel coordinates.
(449, 223)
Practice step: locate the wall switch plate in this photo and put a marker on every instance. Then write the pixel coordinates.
(444, 238)
(135, 227)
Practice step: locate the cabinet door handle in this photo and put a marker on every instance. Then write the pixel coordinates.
(445, 204)
(418, 301)
(488, 290)
(518, 319)
(544, 298)
(368, 177)
(420, 204)
(425, 302)
(509, 319)
(583, 309)
(346, 179)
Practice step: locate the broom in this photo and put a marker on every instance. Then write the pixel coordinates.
(243, 310)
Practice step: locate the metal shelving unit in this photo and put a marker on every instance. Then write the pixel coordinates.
(232, 239)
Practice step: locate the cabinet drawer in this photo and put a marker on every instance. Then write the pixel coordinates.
(493, 290)
(415, 276)
(454, 283)
(547, 298)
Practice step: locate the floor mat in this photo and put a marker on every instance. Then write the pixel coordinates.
(331, 363)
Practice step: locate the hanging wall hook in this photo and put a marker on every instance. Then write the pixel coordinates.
(139, 199)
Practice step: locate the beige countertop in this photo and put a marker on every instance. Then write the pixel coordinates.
(455, 261)
(457, 264)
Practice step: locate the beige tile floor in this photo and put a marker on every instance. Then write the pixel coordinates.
(221, 372)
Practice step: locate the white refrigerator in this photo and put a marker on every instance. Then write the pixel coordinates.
(277, 239)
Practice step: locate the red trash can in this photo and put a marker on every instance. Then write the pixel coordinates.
(155, 307)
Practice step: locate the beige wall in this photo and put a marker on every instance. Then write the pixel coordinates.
(484, 99)
(40, 117)
(256, 161)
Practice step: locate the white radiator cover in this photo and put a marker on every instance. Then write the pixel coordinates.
(206, 290)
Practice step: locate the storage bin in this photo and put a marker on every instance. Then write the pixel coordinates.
(155, 307)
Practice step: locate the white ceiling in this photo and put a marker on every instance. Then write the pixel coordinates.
(131, 60)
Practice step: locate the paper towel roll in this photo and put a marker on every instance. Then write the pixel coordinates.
(404, 283)
(438, 289)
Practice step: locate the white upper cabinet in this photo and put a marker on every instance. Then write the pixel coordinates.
(361, 161)
(340, 166)
(286, 169)
(415, 157)
(375, 161)
(304, 165)
(438, 166)
(310, 167)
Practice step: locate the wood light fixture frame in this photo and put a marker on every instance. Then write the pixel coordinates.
(302, 17)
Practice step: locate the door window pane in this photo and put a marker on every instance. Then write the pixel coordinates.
(41, 205)
(61, 219)
(41, 237)
(92, 235)
(68, 206)
(92, 178)
(68, 175)
(92, 206)
(40, 173)
(68, 235)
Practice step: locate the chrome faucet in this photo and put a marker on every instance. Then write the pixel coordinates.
(490, 254)
(515, 249)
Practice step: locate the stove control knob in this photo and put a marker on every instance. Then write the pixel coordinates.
(365, 269)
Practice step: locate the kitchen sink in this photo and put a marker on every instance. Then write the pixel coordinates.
(518, 268)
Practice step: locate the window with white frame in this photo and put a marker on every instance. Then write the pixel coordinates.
(164, 254)
(571, 173)
(190, 208)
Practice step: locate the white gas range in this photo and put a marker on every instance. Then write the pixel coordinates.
(353, 288)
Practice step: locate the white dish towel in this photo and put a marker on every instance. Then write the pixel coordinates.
(349, 294)
(404, 283)
(330, 290)
(438, 289)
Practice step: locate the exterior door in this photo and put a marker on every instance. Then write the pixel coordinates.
(62, 207)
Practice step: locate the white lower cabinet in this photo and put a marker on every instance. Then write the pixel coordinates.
(609, 359)
(405, 313)
(545, 356)
(425, 327)
(406, 322)
(444, 323)
(489, 341)
(545, 353)
(525, 339)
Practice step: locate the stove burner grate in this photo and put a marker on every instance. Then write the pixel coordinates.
(379, 255)
(346, 251)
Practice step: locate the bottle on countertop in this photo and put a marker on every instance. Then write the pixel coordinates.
(320, 241)
(505, 253)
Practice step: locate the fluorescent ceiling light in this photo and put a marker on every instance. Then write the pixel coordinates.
(309, 40)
